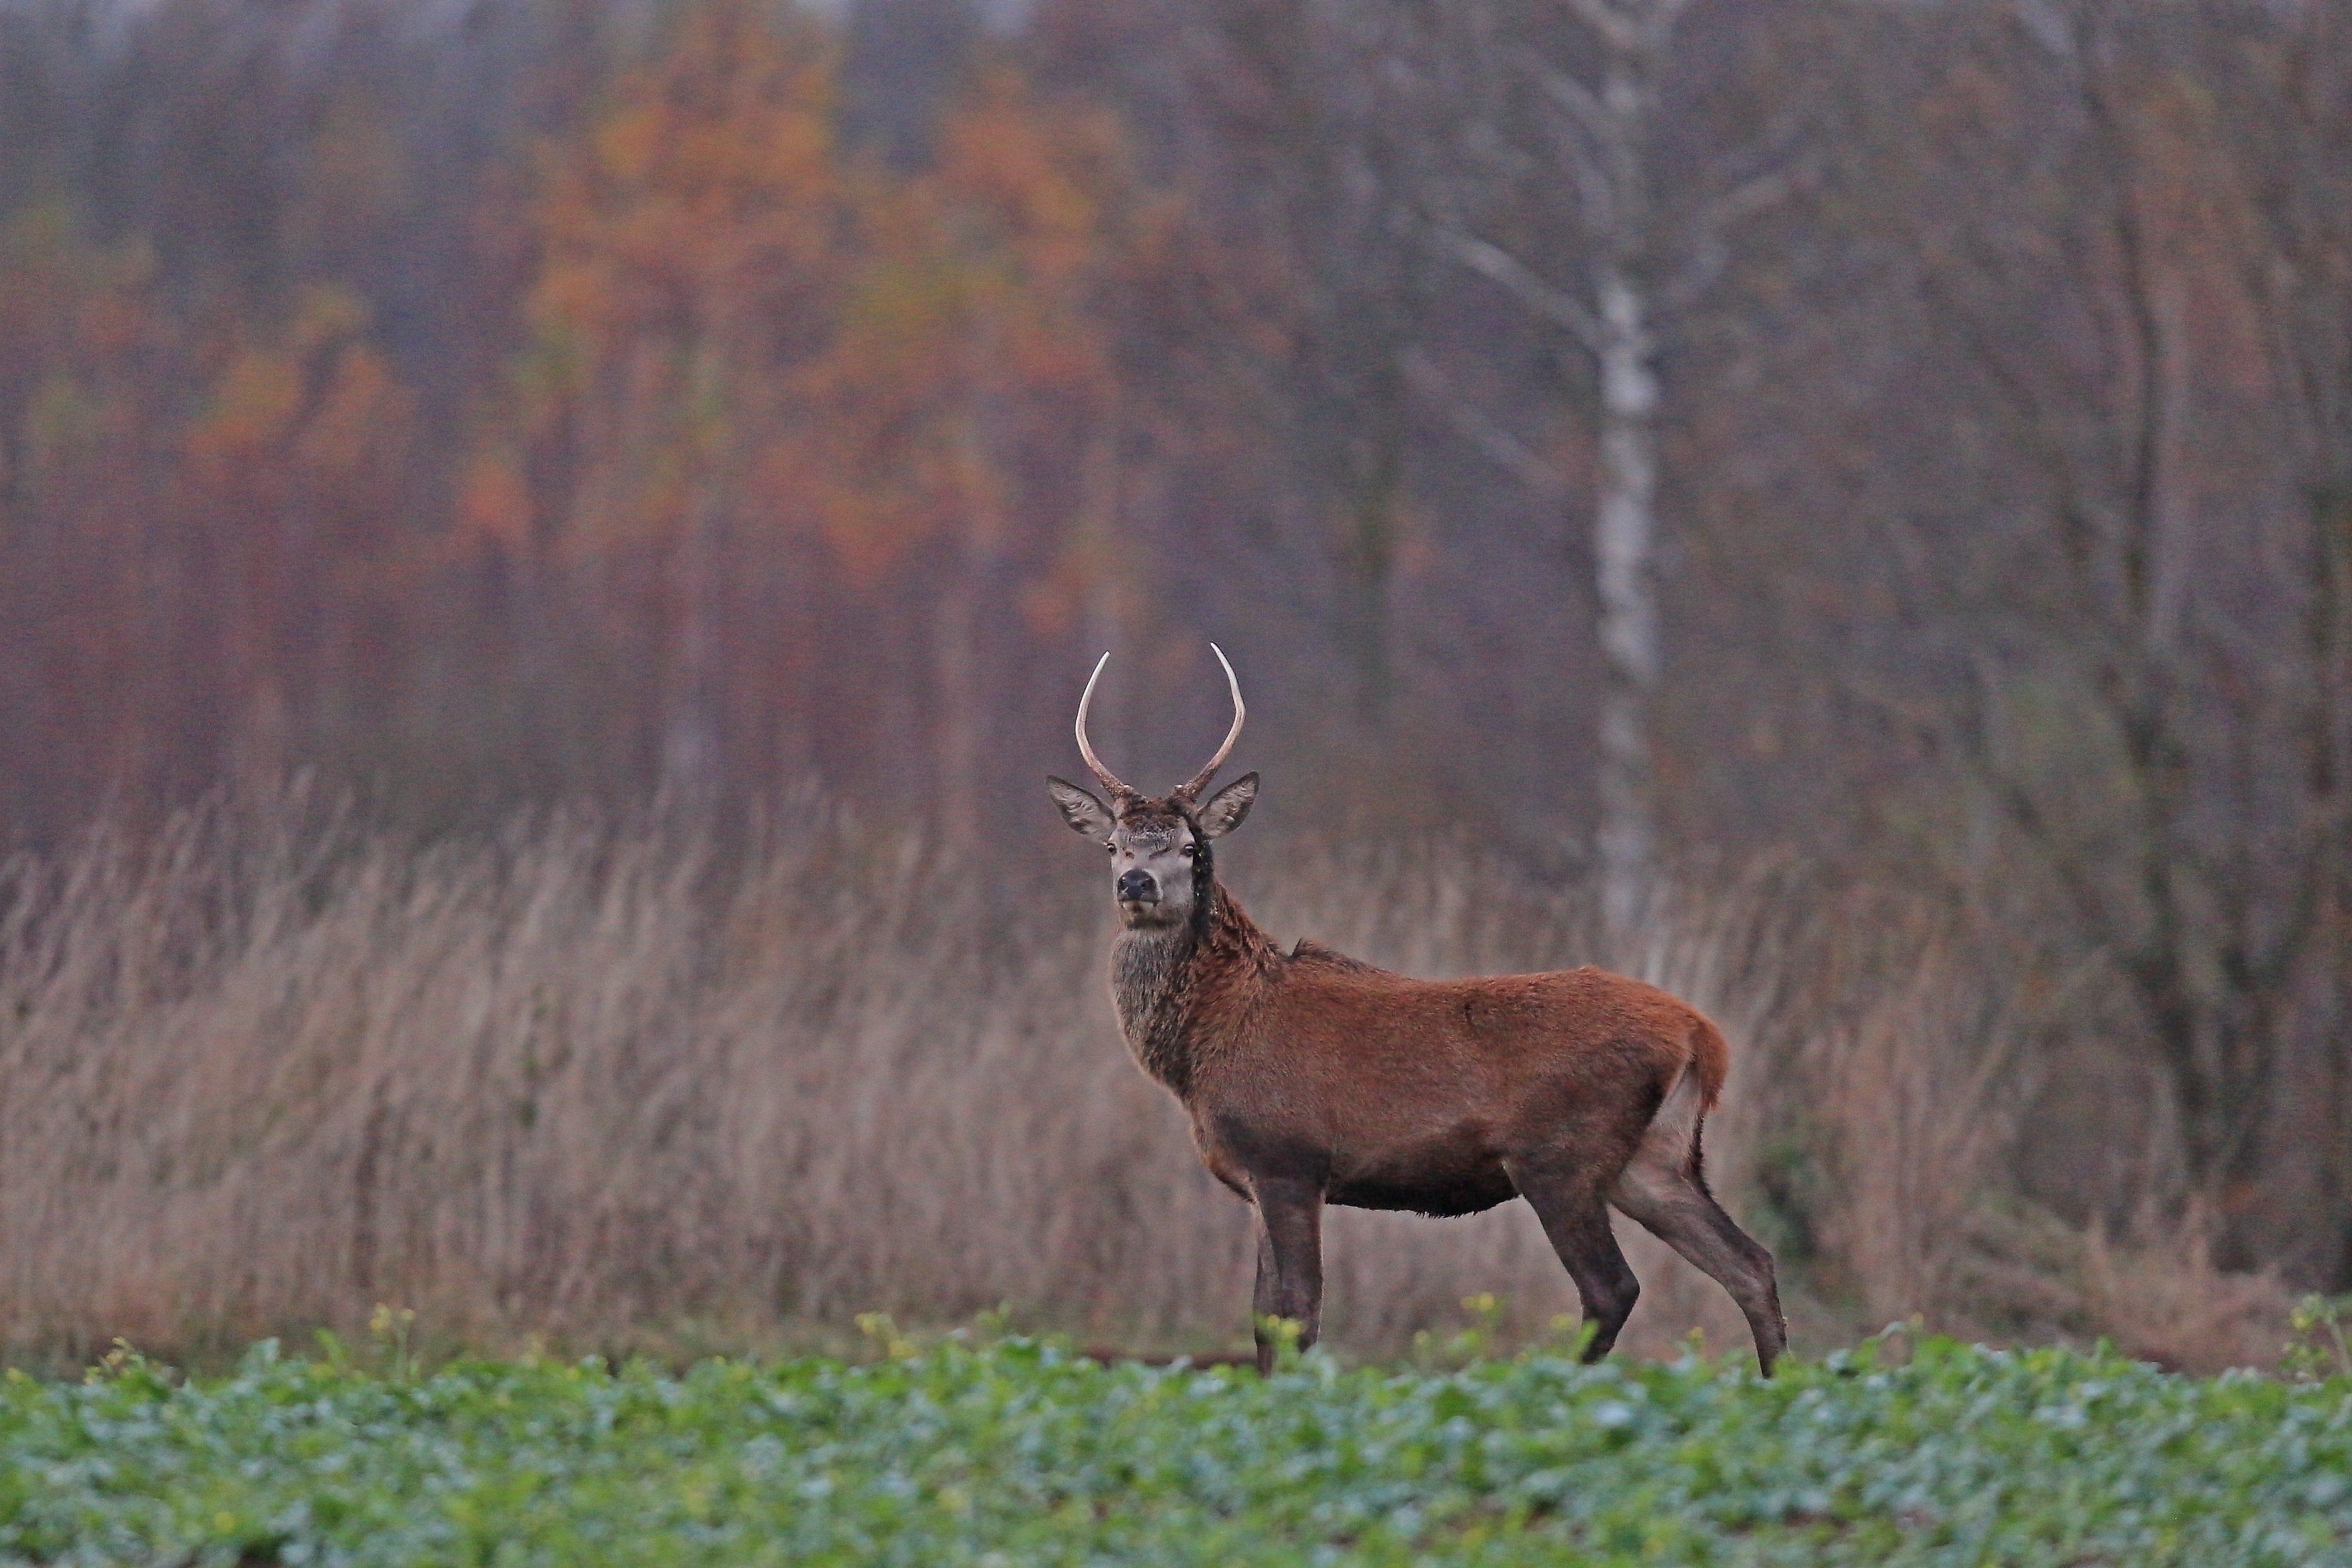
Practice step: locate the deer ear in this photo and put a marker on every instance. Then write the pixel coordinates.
(1228, 807)
(1080, 809)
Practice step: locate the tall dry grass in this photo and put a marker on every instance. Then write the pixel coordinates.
(625, 1081)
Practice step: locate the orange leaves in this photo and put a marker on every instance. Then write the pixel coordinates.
(312, 405)
(728, 313)
(494, 502)
(1051, 181)
(252, 403)
(704, 199)
(76, 321)
(685, 259)
(974, 356)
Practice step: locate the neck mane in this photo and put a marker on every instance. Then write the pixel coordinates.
(1160, 980)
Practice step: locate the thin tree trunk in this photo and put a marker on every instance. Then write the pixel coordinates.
(690, 741)
(1107, 608)
(2331, 511)
(1367, 571)
(957, 646)
(956, 658)
(689, 722)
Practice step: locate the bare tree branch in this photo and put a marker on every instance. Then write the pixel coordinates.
(1623, 33)
(1591, 115)
(1759, 194)
(1553, 304)
(1506, 450)
(1599, 202)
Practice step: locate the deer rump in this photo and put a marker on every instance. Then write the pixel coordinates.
(1437, 1097)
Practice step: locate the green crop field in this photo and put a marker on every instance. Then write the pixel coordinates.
(1018, 1452)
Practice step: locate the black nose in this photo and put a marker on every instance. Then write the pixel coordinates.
(1137, 887)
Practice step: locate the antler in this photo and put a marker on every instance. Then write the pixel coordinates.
(1119, 793)
(1190, 791)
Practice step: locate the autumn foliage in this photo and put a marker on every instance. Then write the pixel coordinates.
(761, 430)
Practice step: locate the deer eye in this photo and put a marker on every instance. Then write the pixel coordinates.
(1186, 851)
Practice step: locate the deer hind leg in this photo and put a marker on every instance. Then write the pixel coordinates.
(1664, 1188)
(1289, 1263)
(1576, 1221)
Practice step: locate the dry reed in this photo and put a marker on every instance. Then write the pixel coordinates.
(617, 1082)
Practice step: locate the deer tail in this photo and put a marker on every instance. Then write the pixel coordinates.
(1710, 1058)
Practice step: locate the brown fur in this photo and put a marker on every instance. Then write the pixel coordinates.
(1391, 1092)
(1311, 1078)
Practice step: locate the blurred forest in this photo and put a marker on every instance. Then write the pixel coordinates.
(1657, 436)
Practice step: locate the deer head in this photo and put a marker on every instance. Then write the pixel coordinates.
(1161, 867)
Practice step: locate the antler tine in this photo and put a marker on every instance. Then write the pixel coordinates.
(1109, 780)
(1200, 781)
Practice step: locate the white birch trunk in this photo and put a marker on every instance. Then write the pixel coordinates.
(1638, 267)
(1624, 544)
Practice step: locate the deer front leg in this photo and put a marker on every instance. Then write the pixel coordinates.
(1290, 1262)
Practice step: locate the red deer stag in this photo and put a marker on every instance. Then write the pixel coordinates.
(1311, 1078)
